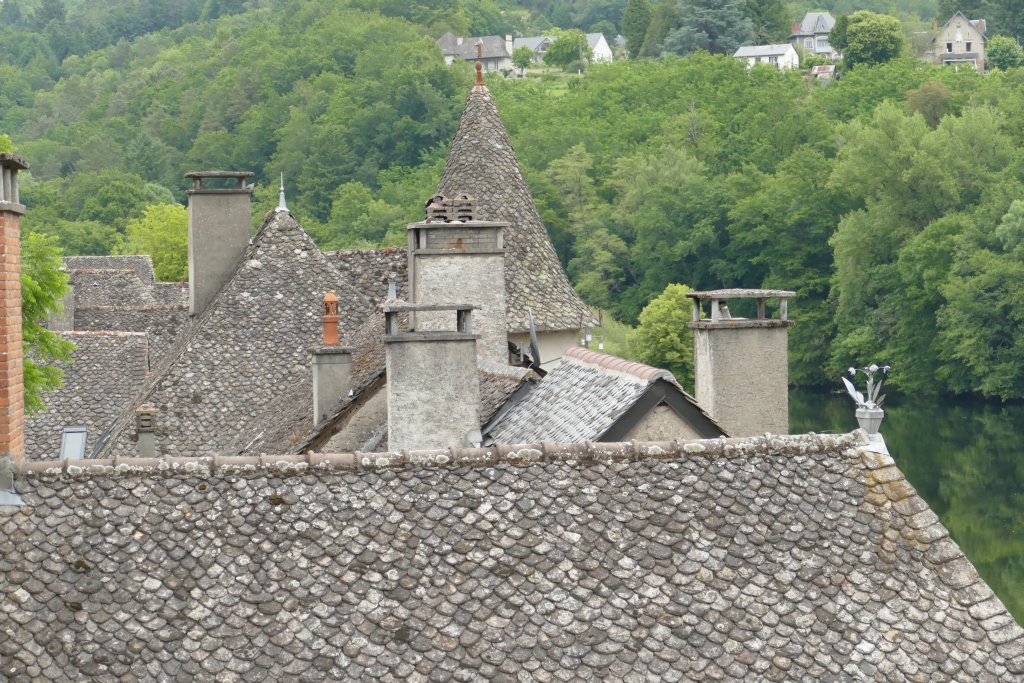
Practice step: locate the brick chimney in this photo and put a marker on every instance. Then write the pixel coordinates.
(12, 379)
(332, 364)
(796, 26)
(742, 364)
(219, 221)
(454, 257)
(433, 382)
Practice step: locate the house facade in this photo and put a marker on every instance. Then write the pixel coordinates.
(599, 47)
(810, 35)
(494, 52)
(961, 43)
(780, 56)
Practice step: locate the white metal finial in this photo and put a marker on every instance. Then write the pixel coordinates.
(281, 206)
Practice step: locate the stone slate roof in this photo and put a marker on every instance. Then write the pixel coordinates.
(103, 287)
(814, 23)
(371, 271)
(494, 47)
(142, 264)
(483, 165)
(782, 559)
(287, 423)
(579, 400)
(108, 368)
(163, 324)
(249, 346)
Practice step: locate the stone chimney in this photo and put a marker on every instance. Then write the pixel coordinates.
(458, 40)
(796, 27)
(12, 379)
(433, 383)
(508, 44)
(219, 221)
(145, 428)
(742, 364)
(454, 257)
(332, 364)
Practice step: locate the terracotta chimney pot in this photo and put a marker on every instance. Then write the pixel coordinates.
(330, 318)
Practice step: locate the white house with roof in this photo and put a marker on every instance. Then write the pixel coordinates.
(599, 47)
(494, 52)
(811, 35)
(780, 56)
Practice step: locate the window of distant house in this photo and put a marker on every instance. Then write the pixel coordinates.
(959, 35)
(949, 47)
(822, 44)
(773, 60)
(809, 43)
(967, 46)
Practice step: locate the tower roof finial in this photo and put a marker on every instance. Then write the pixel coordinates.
(281, 206)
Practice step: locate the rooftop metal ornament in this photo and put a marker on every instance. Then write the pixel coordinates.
(869, 405)
(281, 206)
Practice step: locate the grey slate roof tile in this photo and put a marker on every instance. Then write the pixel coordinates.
(577, 401)
(371, 271)
(483, 165)
(163, 324)
(142, 264)
(108, 368)
(249, 346)
(790, 559)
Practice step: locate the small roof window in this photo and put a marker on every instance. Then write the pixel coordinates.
(72, 443)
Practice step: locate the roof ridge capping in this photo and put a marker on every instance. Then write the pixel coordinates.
(619, 366)
(515, 454)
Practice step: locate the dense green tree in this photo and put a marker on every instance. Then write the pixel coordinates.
(770, 20)
(161, 232)
(607, 29)
(1002, 52)
(6, 146)
(872, 39)
(522, 57)
(635, 21)
(837, 37)
(664, 22)
(43, 285)
(930, 100)
(662, 339)
(718, 26)
(570, 46)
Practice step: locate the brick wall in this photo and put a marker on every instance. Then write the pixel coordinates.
(12, 386)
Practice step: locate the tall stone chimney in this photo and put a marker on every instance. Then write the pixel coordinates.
(454, 257)
(219, 222)
(742, 364)
(332, 364)
(12, 379)
(433, 383)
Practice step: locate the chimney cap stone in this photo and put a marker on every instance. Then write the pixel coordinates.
(219, 174)
(404, 307)
(13, 161)
(742, 294)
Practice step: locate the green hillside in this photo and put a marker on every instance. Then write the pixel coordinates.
(889, 200)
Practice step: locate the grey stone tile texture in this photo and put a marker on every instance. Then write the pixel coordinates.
(782, 561)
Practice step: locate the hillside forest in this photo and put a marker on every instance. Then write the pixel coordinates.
(892, 200)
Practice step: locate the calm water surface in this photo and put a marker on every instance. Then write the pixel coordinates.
(966, 458)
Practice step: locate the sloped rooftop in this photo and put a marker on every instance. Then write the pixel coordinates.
(108, 368)
(483, 164)
(250, 345)
(579, 400)
(783, 559)
(815, 23)
(142, 264)
(371, 271)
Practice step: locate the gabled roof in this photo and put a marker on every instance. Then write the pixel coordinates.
(815, 23)
(371, 271)
(105, 287)
(789, 558)
(764, 50)
(107, 369)
(494, 47)
(532, 42)
(142, 264)
(977, 24)
(483, 164)
(584, 398)
(594, 38)
(249, 346)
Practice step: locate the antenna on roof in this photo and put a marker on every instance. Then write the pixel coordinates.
(281, 206)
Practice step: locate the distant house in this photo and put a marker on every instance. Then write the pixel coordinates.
(495, 53)
(782, 56)
(602, 52)
(824, 72)
(811, 35)
(961, 42)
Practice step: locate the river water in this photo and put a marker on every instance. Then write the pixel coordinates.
(966, 458)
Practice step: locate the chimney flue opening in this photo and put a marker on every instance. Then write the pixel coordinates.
(329, 313)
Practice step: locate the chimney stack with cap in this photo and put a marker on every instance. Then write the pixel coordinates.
(12, 379)
(433, 381)
(742, 364)
(454, 257)
(219, 221)
(145, 428)
(332, 364)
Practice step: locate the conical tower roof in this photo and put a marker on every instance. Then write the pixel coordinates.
(483, 164)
